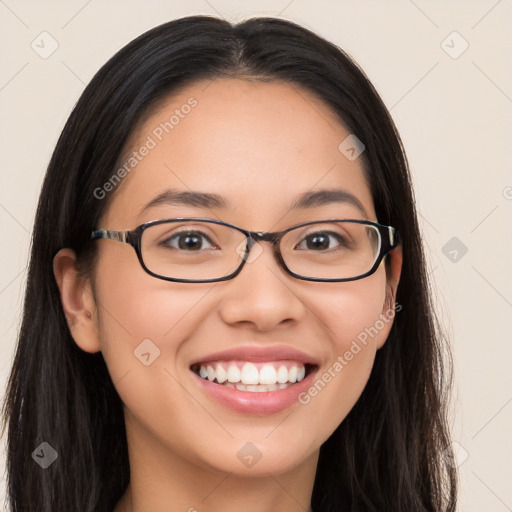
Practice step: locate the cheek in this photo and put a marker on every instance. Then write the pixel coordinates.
(351, 316)
(350, 309)
(142, 319)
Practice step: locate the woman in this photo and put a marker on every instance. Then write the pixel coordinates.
(227, 306)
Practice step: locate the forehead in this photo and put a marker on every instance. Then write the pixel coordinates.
(258, 144)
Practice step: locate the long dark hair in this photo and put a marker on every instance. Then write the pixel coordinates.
(389, 454)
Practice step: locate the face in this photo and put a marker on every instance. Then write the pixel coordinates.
(260, 146)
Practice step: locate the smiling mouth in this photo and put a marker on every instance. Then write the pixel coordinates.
(253, 377)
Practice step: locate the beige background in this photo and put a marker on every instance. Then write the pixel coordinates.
(454, 115)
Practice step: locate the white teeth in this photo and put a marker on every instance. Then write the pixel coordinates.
(270, 377)
(249, 374)
(222, 375)
(233, 374)
(282, 375)
(261, 388)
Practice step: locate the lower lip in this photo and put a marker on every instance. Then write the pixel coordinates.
(247, 402)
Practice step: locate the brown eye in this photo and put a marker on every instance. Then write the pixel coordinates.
(188, 241)
(321, 241)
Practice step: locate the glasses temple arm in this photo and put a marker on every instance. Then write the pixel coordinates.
(119, 236)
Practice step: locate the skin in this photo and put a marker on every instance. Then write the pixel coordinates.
(259, 145)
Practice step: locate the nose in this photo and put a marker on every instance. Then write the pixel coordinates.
(262, 295)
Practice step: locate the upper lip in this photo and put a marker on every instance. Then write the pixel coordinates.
(258, 355)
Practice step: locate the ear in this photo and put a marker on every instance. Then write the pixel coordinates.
(393, 271)
(78, 301)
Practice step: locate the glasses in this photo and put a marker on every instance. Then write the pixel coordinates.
(198, 250)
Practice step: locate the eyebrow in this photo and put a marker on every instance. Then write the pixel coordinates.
(326, 197)
(215, 201)
(178, 197)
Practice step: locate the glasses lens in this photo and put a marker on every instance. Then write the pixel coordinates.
(192, 250)
(331, 250)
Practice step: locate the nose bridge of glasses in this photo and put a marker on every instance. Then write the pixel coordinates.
(254, 238)
(261, 236)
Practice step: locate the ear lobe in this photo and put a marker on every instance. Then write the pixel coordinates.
(77, 301)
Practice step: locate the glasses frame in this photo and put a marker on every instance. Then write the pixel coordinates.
(389, 239)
